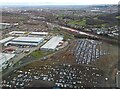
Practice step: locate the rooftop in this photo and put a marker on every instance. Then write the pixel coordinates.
(6, 39)
(30, 39)
(39, 33)
(4, 24)
(21, 43)
(5, 57)
(17, 32)
(52, 43)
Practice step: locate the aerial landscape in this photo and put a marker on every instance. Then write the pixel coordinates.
(52, 46)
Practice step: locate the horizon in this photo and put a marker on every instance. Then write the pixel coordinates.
(54, 2)
(20, 5)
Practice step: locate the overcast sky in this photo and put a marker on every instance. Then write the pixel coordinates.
(57, 2)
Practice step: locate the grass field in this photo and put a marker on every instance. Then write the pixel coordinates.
(78, 22)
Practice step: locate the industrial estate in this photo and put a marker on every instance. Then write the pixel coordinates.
(69, 47)
(27, 40)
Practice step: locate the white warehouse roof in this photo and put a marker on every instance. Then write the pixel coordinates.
(39, 33)
(17, 32)
(4, 24)
(28, 39)
(6, 40)
(52, 43)
(4, 57)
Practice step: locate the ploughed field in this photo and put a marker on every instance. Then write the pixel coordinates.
(84, 63)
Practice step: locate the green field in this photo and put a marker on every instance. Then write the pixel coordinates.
(78, 22)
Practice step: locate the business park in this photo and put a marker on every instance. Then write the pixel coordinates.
(22, 43)
(24, 38)
(11, 46)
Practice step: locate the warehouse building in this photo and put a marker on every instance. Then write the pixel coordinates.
(6, 40)
(39, 33)
(52, 43)
(5, 25)
(17, 33)
(27, 41)
(4, 57)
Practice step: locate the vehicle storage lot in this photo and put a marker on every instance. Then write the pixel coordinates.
(88, 50)
(62, 75)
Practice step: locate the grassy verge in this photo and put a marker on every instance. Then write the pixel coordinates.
(40, 54)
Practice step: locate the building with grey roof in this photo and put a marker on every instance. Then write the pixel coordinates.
(29, 41)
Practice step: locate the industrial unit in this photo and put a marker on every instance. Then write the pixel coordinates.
(52, 43)
(39, 33)
(4, 25)
(4, 57)
(29, 41)
(6, 40)
(17, 33)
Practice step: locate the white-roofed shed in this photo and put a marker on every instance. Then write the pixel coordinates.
(52, 43)
(6, 40)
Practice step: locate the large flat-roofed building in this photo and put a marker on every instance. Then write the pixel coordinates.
(30, 41)
(17, 33)
(4, 57)
(4, 25)
(7, 25)
(6, 40)
(52, 43)
(39, 33)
